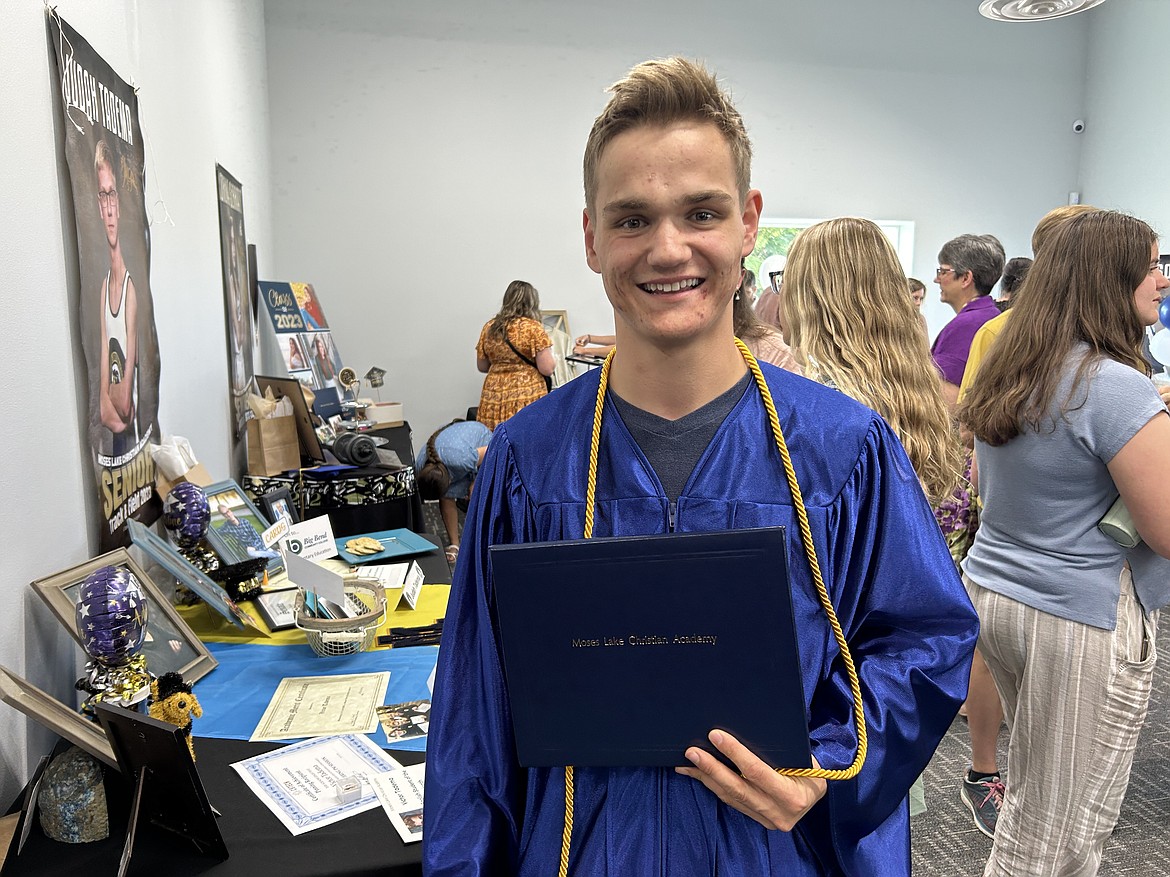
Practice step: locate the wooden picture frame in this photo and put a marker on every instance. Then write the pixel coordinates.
(171, 646)
(238, 541)
(274, 503)
(556, 324)
(50, 713)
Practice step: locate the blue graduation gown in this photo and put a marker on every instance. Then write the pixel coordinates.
(907, 619)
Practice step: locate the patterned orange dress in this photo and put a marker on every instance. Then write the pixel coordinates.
(511, 383)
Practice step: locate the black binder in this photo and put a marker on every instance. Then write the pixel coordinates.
(623, 652)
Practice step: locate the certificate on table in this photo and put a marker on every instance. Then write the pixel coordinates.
(299, 782)
(401, 794)
(314, 706)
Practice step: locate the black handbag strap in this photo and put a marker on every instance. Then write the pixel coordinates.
(546, 378)
(517, 352)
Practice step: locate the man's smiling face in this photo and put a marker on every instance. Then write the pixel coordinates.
(668, 233)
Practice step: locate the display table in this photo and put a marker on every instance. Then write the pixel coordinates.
(359, 500)
(233, 697)
(211, 627)
(365, 844)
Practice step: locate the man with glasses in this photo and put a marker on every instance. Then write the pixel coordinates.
(969, 266)
(118, 398)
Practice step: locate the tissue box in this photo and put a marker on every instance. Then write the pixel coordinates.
(273, 447)
(385, 413)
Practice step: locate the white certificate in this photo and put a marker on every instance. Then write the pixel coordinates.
(299, 782)
(313, 706)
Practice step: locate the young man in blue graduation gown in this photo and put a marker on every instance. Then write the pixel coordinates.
(685, 445)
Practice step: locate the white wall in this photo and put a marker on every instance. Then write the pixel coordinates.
(1125, 164)
(423, 156)
(202, 78)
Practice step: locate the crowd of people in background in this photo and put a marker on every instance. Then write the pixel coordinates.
(1024, 420)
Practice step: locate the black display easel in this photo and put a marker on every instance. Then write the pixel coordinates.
(168, 793)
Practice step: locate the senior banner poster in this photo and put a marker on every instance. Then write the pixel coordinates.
(237, 295)
(104, 151)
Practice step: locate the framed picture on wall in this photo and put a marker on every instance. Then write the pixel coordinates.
(170, 644)
(556, 324)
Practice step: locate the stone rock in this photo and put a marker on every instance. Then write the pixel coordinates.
(72, 800)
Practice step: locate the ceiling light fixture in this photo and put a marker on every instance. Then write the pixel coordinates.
(1033, 10)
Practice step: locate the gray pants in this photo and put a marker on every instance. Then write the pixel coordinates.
(1075, 698)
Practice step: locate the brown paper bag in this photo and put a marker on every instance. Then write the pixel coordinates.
(272, 446)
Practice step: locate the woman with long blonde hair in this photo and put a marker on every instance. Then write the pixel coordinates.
(848, 316)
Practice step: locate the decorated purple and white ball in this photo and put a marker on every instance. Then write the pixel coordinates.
(111, 615)
(186, 514)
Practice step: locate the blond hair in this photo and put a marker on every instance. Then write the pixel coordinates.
(662, 93)
(854, 327)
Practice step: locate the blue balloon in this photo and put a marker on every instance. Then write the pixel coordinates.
(1164, 312)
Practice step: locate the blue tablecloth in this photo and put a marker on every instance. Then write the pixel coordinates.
(235, 694)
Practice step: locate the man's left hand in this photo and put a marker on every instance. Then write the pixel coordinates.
(773, 800)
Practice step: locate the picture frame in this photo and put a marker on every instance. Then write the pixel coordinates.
(171, 645)
(50, 713)
(290, 388)
(236, 525)
(277, 608)
(279, 502)
(190, 576)
(556, 324)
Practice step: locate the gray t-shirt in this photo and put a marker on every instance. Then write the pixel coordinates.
(673, 447)
(1044, 492)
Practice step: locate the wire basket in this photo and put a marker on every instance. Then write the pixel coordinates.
(345, 636)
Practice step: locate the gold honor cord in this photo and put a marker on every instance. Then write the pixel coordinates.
(809, 550)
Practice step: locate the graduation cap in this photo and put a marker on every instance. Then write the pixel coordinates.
(374, 376)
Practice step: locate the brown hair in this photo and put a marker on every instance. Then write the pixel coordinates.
(520, 300)
(433, 479)
(1080, 289)
(662, 93)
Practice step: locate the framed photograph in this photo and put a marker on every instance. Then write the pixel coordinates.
(236, 526)
(279, 502)
(52, 714)
(277, 608)
(556, 324)
(190, 576)
(170, 644)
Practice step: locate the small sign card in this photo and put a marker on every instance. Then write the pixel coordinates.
(313, 577)
(274, 533)
(311, 539)
(411, 586)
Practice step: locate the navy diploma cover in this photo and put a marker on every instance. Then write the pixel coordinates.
(623, 652)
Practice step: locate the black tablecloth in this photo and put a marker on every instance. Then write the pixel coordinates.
(258, 843)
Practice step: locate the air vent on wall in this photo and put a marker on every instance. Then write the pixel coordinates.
(1033, 10)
